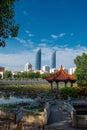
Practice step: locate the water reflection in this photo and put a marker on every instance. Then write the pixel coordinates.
(6, 97)
(14, 100)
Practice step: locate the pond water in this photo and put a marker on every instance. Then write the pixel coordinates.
(15, 100)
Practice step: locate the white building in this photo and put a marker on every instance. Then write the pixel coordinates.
(53, 70)
(28, 67)
(72, 70)
(46, 68)
(2, 69)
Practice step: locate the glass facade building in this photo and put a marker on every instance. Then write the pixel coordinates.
(53, 60)
(38, 60)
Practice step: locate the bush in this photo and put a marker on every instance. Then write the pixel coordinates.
(68, 92)
(82, 90)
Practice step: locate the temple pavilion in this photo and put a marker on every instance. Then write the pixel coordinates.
(60, 76)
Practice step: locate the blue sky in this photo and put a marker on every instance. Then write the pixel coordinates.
(59, 25)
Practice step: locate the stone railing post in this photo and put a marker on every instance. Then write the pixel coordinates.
(74, 118)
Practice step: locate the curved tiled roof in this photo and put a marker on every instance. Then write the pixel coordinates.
(60, 75)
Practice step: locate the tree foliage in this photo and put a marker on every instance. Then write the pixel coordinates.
(30, 75)
(0, 76)
(7, 74)
(43, 76)
(81, 69)
(8, 27)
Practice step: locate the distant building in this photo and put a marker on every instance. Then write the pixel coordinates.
(28, 67)
(42, 72)
(72, 70)
(38, 60)
(46, 68)
(35, 71)
(53, 70)
(65, 70)
(15, 73)
(53, 60)
(2, 69)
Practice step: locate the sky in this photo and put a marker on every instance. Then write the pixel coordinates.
(59, 25)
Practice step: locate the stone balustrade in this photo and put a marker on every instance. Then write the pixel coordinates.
(77, 119)
(29, 116)
(37, 118)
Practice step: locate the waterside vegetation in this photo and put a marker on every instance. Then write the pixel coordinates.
(32, 90)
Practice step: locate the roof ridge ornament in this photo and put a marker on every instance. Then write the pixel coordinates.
(61, 67)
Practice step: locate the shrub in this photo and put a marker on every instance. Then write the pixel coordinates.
(82, 90)
(68, 92)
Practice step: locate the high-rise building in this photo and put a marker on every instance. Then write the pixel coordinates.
(53, 60)
(38, 60)
(28, 67)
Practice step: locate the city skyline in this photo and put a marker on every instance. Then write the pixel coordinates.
(59, 25)
(39, 62)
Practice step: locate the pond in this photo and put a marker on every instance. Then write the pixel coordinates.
(14, 100)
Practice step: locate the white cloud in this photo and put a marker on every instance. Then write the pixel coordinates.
(42, 45)
(43, 40)
(54, 36)
(30, 43)
(50, 41)
(61, 34)
(29, 33)
(26, 42)
(64, 56)
(57, 36)
(20, 40)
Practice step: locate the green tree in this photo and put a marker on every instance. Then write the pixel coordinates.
(31, 75)
(81, 69)
(7, 74)
(8, 27)
(37, 75)
(0, 76)
(24, 75)
(43, 76)
(17, 75)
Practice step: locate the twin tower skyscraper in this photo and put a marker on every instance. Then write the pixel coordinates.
(38, 60)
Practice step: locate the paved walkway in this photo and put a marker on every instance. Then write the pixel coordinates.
(60, 119)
